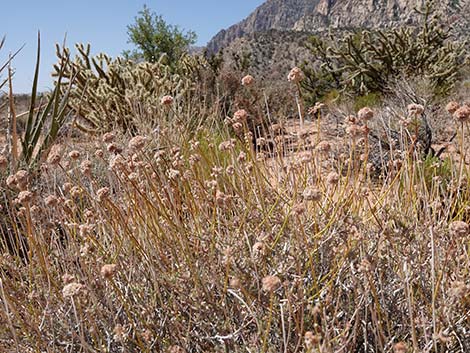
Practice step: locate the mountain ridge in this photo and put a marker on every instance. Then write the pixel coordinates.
(321, 15)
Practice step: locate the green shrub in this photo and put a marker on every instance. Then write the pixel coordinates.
(367, 100)
(153, 37)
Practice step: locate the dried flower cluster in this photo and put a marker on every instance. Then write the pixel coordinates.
(415, 109)
(248, 80)
(462, 114)
(108, 270)
(295, 75)
(167, 100)
(365, 114)
(72, 289)
(270, 283)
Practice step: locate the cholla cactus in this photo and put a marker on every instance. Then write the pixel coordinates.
(110, 93)
(366, 61)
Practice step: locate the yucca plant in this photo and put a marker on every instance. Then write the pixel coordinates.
(43, 123)
(3, 81)
(26, 151)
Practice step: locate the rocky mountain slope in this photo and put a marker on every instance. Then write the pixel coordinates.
(273, 14)
(374, 13)
(321, 15)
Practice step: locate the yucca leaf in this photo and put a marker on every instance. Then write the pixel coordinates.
(37, 130)
(59, 109)
(30, 121)
(3, 83)
(12, 123)
(11, 56)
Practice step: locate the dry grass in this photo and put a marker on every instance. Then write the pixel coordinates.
(167, 243)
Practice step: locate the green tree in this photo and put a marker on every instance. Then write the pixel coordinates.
(153, 37)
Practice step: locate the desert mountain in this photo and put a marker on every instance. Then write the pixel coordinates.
(273, 14)
(321, 15)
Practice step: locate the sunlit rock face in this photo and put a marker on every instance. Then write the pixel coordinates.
(360, 14)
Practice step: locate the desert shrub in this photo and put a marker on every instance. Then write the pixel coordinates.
(5, 71)
(188, 240)
(365, 61)
(321, 76)
(241, 61)
(367, 100)
(207, 246)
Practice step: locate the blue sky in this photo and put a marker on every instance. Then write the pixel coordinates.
(102, 23)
